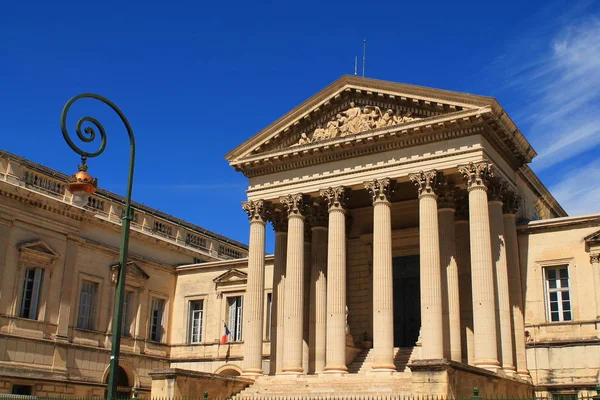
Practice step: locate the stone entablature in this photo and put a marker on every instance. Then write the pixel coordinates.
(109, 207)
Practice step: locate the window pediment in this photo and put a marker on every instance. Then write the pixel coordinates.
(37, 253)
(233, 277)
(135, 274)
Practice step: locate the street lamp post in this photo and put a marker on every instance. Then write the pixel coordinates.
(83, 183)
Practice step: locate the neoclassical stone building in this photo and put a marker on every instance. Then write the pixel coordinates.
(415, 253)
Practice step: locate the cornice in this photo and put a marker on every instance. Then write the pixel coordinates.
(537, 186)
(428, 96)
(558, 224)
(376, 141)
(235, 263)
(40, 201)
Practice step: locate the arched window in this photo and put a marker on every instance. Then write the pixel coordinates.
(123, 388)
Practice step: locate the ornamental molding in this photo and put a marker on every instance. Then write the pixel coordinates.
(257, 210)
(336, 197)
(233, 277)
(426, 181)
(294, 204)
(136, 276)
(381, 189)
(353, 120)
(595, 258)
(37, 254)
(477, 175)
(448, 195)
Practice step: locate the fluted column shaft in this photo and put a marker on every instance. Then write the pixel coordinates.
(318, 298)
(306, 301)
(253, 313)
(502, 285)
(448, 263)
(484, 315)
(515, 292)
(431, 278)
(336, 283)
(383, 294)
(463, 259)
(294, 291)
(277, 301)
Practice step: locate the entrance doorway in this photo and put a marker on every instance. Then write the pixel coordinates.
(407, 301)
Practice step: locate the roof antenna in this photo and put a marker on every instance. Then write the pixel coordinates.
(364, 56)
(355, 65)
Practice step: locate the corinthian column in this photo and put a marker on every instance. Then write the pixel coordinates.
(431, 278)
(446, 208)
(463, 259)
(318, 289)
(253, 315)
(280, 225)
(383, 296)
(306, 296)
(482, 270)
(294, 285)
(511, 203)
(496, 189)
(336, 281)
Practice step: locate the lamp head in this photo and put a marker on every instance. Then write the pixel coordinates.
(81, 184)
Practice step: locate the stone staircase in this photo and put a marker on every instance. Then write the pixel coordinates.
(324, 386)
(402, 357)
(358, 383)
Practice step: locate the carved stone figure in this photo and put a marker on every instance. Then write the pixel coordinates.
(355, 120)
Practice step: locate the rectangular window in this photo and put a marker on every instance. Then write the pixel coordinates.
(268, 317)
(31, 293)
(156, 320)
(23, 390)
(127, 314)
(87, 305)
(195, 324)
(235, 318)
(558, 298)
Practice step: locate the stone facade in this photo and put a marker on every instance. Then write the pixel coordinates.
(415, 253)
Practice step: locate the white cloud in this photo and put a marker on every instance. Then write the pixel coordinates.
(578, 190)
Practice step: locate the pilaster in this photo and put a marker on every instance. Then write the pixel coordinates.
(595, 261)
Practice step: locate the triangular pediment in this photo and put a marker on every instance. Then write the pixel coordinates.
(133, 270)
(231, 277)
(593, 239)
(351, 106)
(40, 247)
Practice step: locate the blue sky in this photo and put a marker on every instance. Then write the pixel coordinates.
(196, 79)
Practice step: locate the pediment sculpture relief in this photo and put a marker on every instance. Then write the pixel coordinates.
(355, 120)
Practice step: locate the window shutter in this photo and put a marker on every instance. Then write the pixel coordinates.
(35, 295)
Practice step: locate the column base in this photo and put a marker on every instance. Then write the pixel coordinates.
(510, 370)
(292, 371)
(251, 372)
(383, 369)
(490, 365)
(339, 370)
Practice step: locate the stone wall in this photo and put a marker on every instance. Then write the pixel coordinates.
(171, 383)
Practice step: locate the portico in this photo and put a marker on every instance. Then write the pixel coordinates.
(369, 173)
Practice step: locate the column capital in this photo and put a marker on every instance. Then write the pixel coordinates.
(476, 174)
(462, 205)
(497, 187)
(336, 197)
(381, 189)
(511, 202)
(257, 210)
(448, 195)
(317, 215)
(278, 219)
(294, 203)
(426, 181)
(594, 258)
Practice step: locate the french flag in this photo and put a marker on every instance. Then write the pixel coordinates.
(226, 334)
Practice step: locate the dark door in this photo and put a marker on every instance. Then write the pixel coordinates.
(407, 301)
